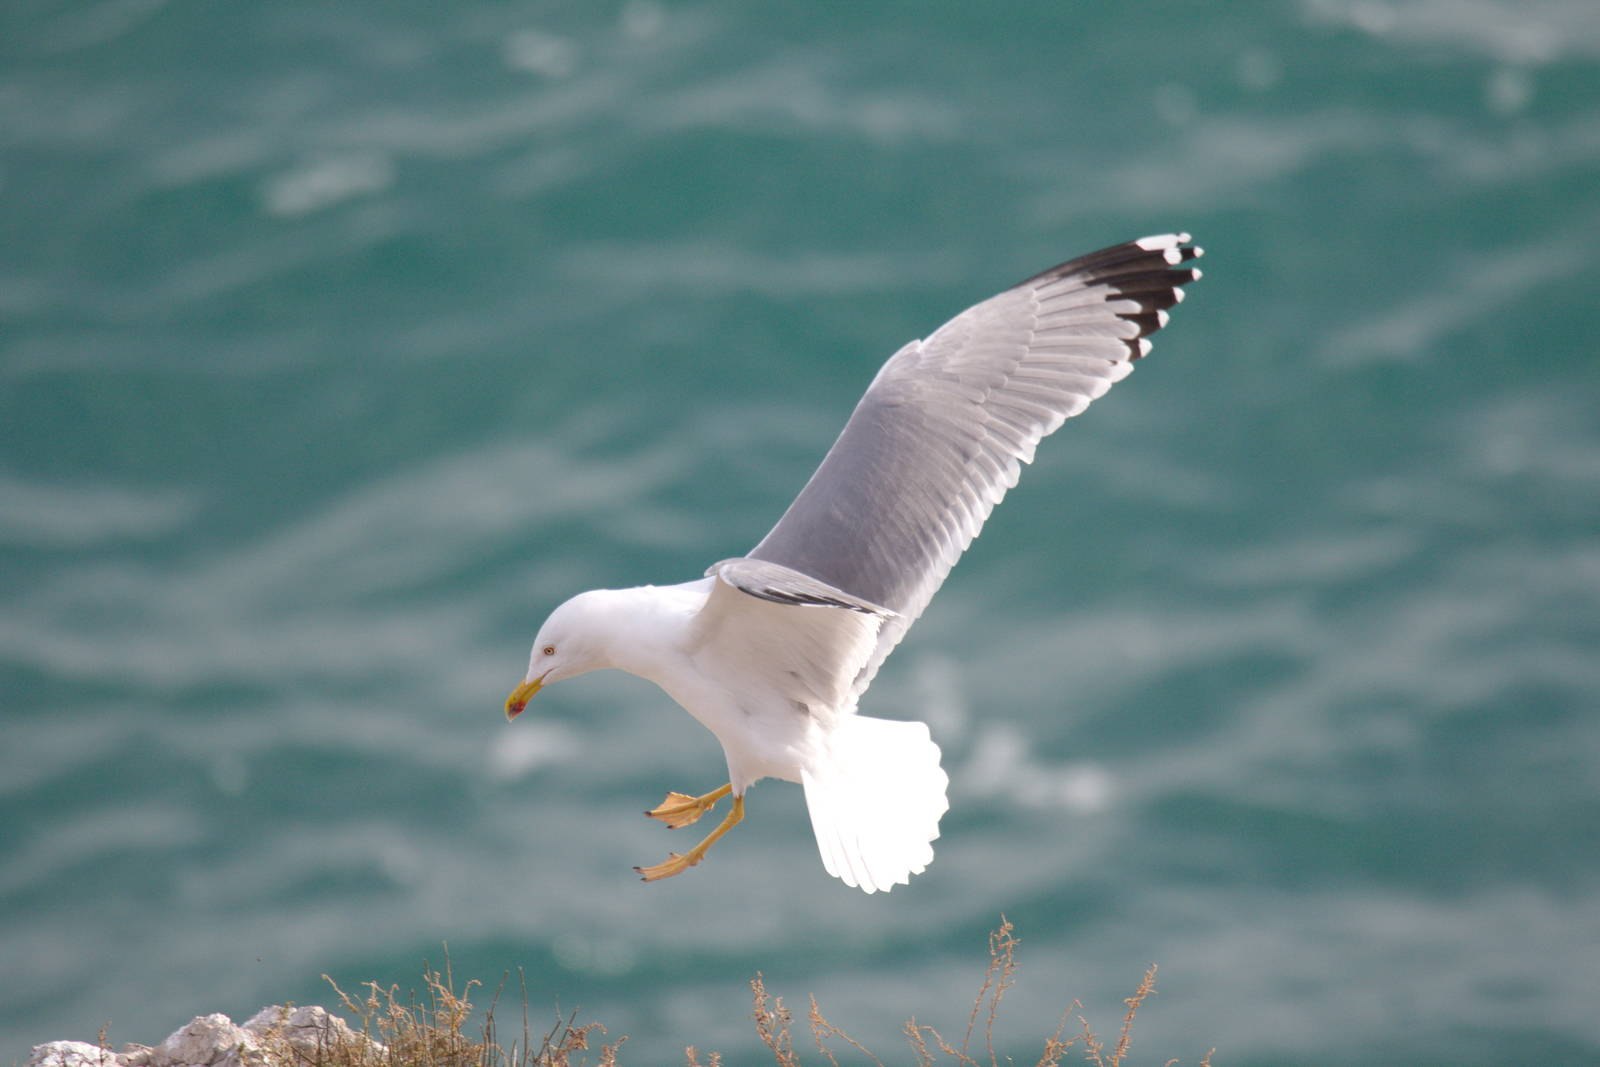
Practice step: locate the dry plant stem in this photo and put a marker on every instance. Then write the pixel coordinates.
(1092, 1045)
(996, 980)
(1002, 950)
(1147, 986)
(522, 982)
(918, 1043)
(1054, 1047)
(821, 1029)
(772, 1024)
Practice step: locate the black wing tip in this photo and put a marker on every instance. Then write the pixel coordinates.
(1148, 272)
(1158, 252)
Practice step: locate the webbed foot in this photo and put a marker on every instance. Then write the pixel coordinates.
(678, 810)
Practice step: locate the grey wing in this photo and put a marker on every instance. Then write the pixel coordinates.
(944, 428)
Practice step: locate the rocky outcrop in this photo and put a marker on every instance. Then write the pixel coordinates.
(272, 1037)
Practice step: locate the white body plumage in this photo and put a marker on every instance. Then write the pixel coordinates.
(773, 683)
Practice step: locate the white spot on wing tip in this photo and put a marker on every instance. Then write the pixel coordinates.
(1163, 240)
(1162, 318)
(1144, 347)
(1177, 296)
(1173, 256)
(1197, 274)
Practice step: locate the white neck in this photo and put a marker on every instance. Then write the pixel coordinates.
(645, 630)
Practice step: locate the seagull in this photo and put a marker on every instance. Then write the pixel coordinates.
(772, 651)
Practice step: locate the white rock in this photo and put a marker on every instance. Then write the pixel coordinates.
(71, 1054)
(306, 1030)
(276, 1035)
(209, 1041)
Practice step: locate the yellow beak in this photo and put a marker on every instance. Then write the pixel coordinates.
(520, 696)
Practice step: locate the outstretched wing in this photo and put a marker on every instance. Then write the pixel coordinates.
(944, 428)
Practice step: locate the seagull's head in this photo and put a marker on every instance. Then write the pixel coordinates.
(570, 643)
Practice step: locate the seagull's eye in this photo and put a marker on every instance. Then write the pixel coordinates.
(549, 650)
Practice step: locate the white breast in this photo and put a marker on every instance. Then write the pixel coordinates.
(771, 681)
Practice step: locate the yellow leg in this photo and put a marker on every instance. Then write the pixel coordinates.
(680, 809)
(676, 864)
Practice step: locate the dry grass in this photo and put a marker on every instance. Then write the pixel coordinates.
(929, 1046)
(388, 1030)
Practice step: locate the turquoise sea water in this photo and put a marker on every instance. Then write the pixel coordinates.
(339, 343)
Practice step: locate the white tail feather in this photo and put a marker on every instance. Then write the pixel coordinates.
(876, 802)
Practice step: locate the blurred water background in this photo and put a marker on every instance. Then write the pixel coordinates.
(338, 343)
